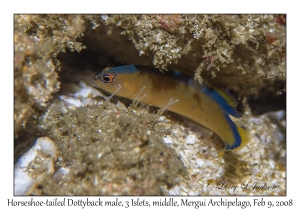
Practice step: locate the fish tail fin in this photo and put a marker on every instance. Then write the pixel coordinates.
(245, 136)
(244, 139)
(240, 140)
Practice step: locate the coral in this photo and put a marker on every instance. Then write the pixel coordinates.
(35, 78)
(232, 49)
(38, 40)
(171, 23)
(144, 31)
(61, 30)
(109, 151)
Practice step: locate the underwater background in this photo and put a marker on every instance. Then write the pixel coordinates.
(84, 145)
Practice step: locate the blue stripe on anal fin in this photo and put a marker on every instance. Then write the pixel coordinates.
(224, 99)
(231, 144)
(240, 135)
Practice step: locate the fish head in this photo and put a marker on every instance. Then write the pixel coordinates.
(110, 80)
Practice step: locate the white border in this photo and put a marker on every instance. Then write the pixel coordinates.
(8, 8)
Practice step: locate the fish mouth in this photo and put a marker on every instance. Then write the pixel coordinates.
(94, 83)
(99, 88)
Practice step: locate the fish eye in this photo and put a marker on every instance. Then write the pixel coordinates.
(107, 78)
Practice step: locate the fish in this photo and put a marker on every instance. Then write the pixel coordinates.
(204, 104)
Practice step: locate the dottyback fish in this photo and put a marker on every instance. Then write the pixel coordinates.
(205, 104)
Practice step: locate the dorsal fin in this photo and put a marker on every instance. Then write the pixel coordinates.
(225, 100)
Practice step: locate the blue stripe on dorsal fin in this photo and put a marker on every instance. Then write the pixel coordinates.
(225, 100)
(129, 69)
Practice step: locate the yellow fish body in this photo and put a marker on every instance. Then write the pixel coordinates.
(206, 105)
